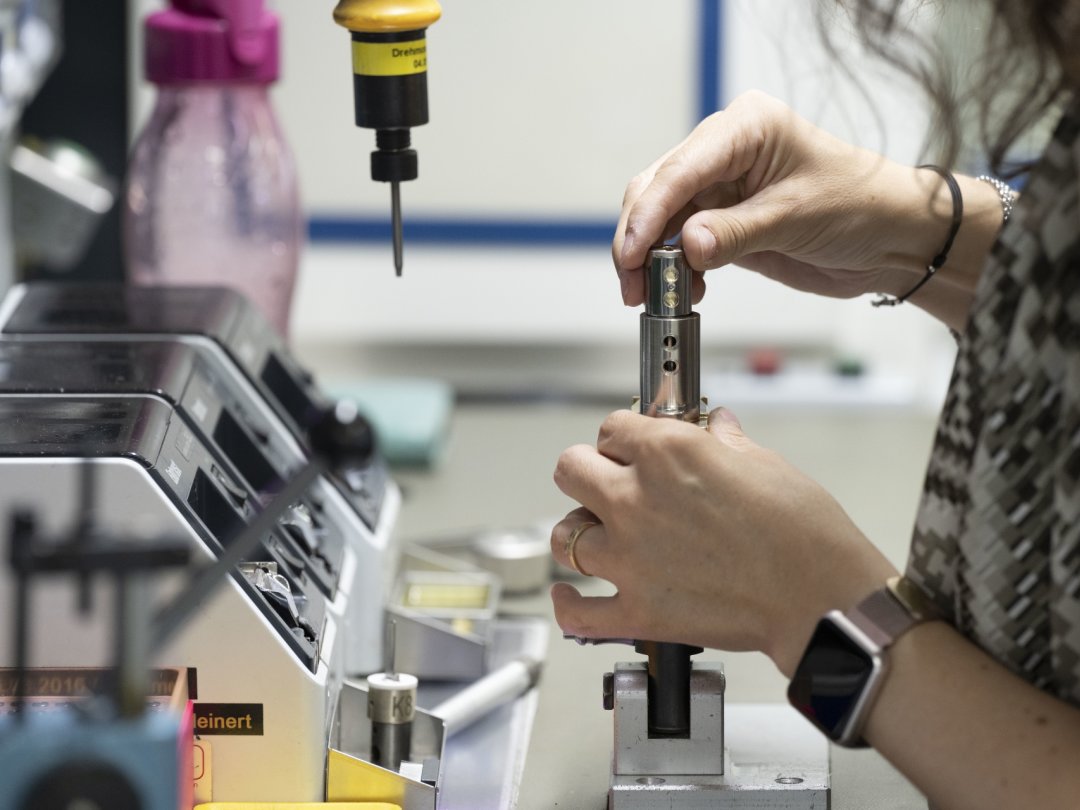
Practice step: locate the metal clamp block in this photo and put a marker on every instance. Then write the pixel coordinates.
(636, 754)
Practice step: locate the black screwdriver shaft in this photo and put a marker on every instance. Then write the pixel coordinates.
(395, 217)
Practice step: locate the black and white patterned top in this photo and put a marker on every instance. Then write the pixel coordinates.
(997, 538)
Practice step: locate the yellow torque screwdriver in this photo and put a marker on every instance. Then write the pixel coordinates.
(389, 57)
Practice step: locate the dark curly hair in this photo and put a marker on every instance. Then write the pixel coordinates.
(1031, 47)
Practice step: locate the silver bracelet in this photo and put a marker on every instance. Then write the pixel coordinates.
(1006, 194)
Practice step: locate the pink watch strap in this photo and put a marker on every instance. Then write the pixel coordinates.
(889, 612)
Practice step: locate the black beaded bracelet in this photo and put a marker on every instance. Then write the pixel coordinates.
(939, 260)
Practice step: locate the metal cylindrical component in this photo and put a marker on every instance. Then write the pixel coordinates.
(670, 387)
(670, 371)
(670, 339)
(669, 688)
(391, 707)
(499, 686)
(667, 283)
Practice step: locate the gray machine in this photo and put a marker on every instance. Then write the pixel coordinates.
(265, 648)
(195, 417)
(219, 321)
(212, 356)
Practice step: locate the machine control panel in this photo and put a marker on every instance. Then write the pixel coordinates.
(113, 311)
(146, 430)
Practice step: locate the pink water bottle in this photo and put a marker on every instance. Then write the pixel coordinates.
(211, 194)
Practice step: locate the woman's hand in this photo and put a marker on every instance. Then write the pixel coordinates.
(709, 538)
(758, 186)
(712, 540)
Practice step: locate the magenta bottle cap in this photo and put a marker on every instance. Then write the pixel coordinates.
(213, 41)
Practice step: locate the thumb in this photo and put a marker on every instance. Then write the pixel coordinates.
(589, 616)
(725, 426)
(719, 236)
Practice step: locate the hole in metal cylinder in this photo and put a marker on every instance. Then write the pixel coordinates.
(789, 780)
(670, 366)
(670, 341)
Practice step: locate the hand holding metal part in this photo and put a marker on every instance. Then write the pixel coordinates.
(676, 512)
(670, 388)
(709, 538)
(756, 185)
(754, 551)
(670, 380)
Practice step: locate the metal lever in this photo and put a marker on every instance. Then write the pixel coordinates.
(592, 642)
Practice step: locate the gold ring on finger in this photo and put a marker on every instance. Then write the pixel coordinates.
(571, 545)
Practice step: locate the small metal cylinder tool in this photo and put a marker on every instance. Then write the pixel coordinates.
(670, 387)
(391, 708)
(670, 339)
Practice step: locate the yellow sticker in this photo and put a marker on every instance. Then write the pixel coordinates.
(204, 774)
(436, 596)
(389, 58)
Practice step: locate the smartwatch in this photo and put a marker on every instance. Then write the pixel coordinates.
(844, 665)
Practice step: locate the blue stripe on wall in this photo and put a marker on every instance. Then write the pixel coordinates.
(710, 73)
(464, 231)
(552, 233)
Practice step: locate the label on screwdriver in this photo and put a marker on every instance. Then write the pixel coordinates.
(389, 58)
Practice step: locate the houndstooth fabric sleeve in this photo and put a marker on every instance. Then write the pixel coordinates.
(997, 537)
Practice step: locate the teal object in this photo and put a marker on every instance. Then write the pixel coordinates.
(60, 747)
(411, 416)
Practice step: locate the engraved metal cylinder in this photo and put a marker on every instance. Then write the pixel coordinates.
(670, 339)
(391, 707)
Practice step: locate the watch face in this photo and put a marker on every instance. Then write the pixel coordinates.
(830, 679)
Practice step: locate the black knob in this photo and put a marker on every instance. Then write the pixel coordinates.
(343, 436)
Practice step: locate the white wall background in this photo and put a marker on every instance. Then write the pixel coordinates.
(536, 108)
(544, 111)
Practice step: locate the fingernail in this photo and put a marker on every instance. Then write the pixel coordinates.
(624, 283)
(729, 417)
(706, 240)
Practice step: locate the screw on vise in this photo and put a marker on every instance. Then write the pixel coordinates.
(670, 387)
(389, 48)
